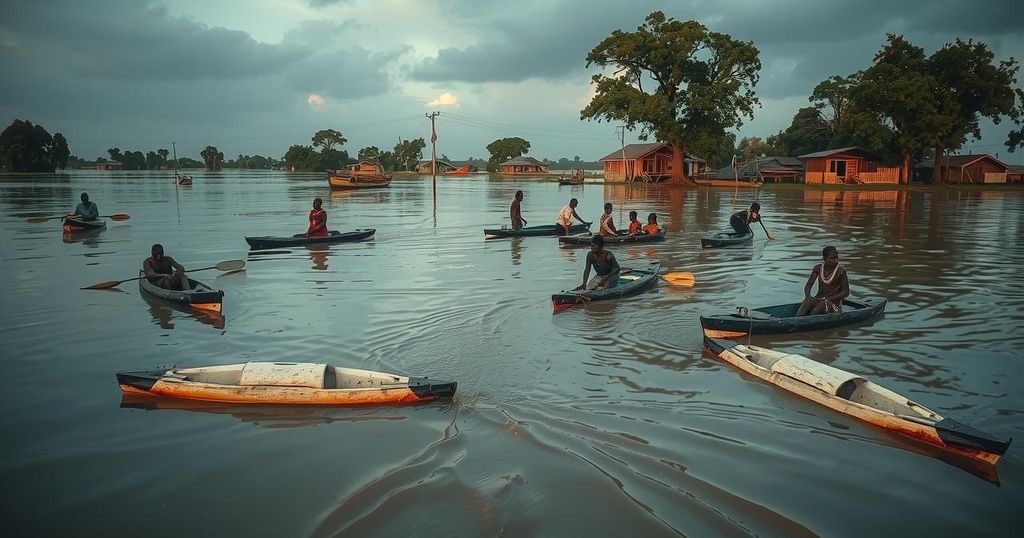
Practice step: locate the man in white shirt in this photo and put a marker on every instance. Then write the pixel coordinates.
(565, 216)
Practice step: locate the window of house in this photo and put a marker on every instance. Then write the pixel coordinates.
(838, 168)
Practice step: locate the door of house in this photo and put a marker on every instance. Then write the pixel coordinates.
(838, 168)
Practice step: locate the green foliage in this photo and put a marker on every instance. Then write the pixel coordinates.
(75, 162)
(369, 153)
(325, 139)
(133, 160)
(163, 153)
(754, 146)
(306, 158)
(408, 152)
(187, 162)
(25, 147)
(255, 162)
(59, 151)
(212, 157)
(504, 149)
(703, 83)
(115, 154)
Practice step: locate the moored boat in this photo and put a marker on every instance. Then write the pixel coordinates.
(264, 242)
(362, 175)
(72, 225)
(284, 383)
(580, 240)
(631, 281)
(531, 231)
(857, 397)
(726, 239)
(460, 171)
(198, 295)
(783, 319)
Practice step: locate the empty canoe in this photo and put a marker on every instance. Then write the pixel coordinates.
(584, 239)
(345, 180)
(726, 239)
(630, 281)
(783, 319)
(301, 239)
(857, 397)
(198, 295)
(284, 383)
(527, 231)
(72, 225)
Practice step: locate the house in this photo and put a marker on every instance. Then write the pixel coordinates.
(847, 165)
(522, 165)
(647, 162)
(980, 168)
(109, 165)
(764, 169)
(423, 167)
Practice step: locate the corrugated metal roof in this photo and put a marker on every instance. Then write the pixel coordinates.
(956, 161)
(633, 151)
(522, 160)
(827, 152)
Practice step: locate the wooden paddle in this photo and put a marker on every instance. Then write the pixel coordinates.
(765, 229)
(680, 278)
(115, 216)
(230, 265)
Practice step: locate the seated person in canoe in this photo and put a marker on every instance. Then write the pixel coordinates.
(651, 228)
(317, 220)
(741, 220)
(163, 271)
(565, 216)
(607, 226)
(833, 286)
(634, 224)
(86, 210)
(515, 213)
(606, 267)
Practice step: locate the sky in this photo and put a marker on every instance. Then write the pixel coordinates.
(256, 76)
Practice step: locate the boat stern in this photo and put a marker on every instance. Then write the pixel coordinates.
(962, 436)
(717, 346)
(562, 301)
(138, 382)
(428, 389)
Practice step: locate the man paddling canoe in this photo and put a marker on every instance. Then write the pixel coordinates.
(317, 220)
(833, 286)
(515, 212)
(607, 225)
(565, 216)
(163, 271)
(606, 267)
(86, 210)
(741, 220)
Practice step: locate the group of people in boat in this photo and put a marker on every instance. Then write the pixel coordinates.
(564, 220)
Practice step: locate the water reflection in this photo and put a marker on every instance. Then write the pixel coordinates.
(318, 255)
(516, 248)
(163, 313)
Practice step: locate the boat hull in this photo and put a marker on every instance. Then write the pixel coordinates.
(583, 240)
(358, 182)
(781, 319)
(71, 225)
(206, 298)
(726, 239)
(264, 242)
(631, 281)
(533, 231)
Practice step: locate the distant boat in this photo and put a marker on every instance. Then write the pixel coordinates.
(364, 174)
(180, 179)
(575, 179)
(460, 171)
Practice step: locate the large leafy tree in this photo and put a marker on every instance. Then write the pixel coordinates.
(115, 154)
(212, 157)
(504, 149)
(59, 151)
(408, 152)
(325, 139)
(369, 153)
(25, 147)
(701, 84)
(133, 160)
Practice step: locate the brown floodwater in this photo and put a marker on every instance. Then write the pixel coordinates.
(606, 420)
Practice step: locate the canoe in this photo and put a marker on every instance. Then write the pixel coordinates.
(460, 171)
(284, 383)
(570, 181)
(631, 281)
(268, 241)
(355, 181)
(782, 319)
(584, 239)
(726, 239)
(530, 231)
(851, 394)
(199, 295)
(72, 225)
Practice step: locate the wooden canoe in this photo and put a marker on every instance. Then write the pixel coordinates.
(264, 242)
(198, 295)
(284, 383)
(851, 394)
(583, 240)
(631, 281)
(346, 180)
(72, 225)
(532, 231)
(782, 319)
(726, 239)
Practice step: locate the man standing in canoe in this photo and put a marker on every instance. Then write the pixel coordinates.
(516, 213)
(163, 271)
(606, 267)
(86, 210)
(741, 220)
(833, 286)
(317, 220)
(607, 226)
(565, 216)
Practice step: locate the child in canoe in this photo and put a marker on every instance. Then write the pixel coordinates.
(634, 224)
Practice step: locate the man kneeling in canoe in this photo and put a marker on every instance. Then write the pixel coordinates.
(606, 267)
(163, 271)
(833, 286)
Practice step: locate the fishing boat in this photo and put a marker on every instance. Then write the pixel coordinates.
(584, 239)
(72, 225)
(726, 239)
(362, 175)
(199, 295)
(851, 394)
(267, 241)
(631, 281)
(531, 231)
(460, 171)
(575, 179)
(783, 319)
(284, 383)
(179, 178)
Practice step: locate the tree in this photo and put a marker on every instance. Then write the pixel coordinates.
(297, 157)
(753, 146)
(369, 153)
(25, 147)
(212, 157)
(152, 160)
(703, 84)
(409, 152)
(59, 151)
(326, 139)
(133, 160)
(831, 98)
(115, 154)
(504, 149)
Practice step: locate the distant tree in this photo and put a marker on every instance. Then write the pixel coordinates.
(212, 157)
(59, 151)
(133, 160)
(387, 160)
(504, 149)
(703, 84)
(25, 147)
(369, 153)
(163, 153)
(325, 139)
(408, 153)
(152, 160)
(753, 146)
(115, 154)
(723, 156)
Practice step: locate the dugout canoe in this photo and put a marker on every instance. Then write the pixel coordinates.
(264, 242)
(199, 295)
(284, 383)
(726, 239)
(851, 394)
(631, 281)
(72, 225)
(782, 319)
(530, 231)
(581, 240)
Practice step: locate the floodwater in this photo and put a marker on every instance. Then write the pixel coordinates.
(603, 421)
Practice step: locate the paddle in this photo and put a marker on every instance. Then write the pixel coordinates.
(765, 229)
(680, 278)
(230, 265)
(115, 216)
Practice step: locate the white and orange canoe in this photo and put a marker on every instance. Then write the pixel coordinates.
(857, 397)
(278, 383)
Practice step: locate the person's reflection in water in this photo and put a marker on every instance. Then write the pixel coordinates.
(517, 250)
(161, 315)
(318, 254)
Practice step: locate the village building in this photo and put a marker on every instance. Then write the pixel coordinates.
(647, 162)
(847, 165)
(981, 168)
(109, 165)
(764, 170)
(423, 167)
(522, 165)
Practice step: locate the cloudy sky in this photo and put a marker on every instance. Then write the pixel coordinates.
(255, 76)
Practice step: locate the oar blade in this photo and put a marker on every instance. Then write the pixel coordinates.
(39, 219)
(105, 285)
(679, 279)
(231, 265)
(120, 216)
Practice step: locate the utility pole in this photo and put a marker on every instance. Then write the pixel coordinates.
(433, 160)
(621, 131)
